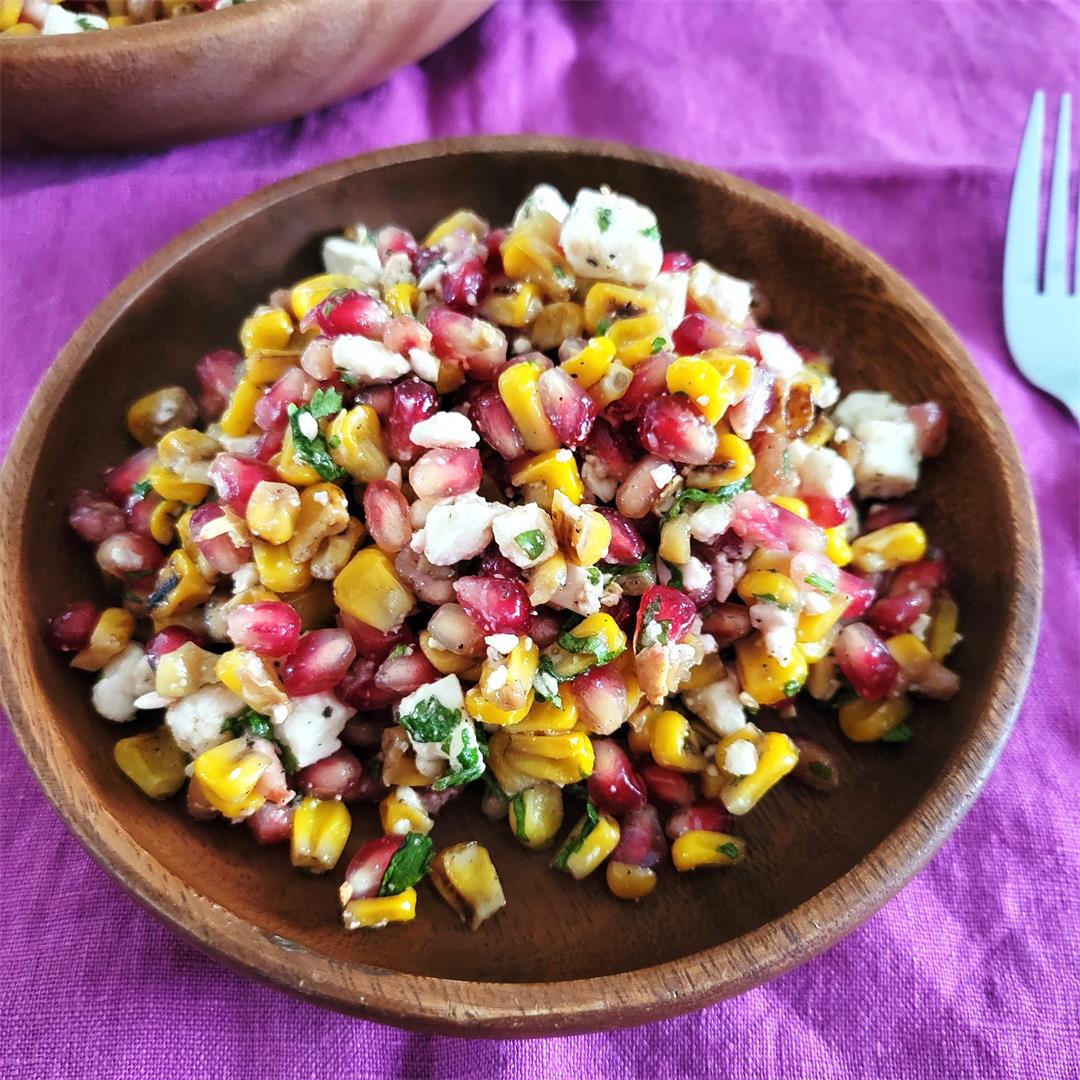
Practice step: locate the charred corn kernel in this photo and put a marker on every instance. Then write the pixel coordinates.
(267, 330)
(272, 511)
(10, 10)
(941, 635)
(450, 378)
(459, 221)
(277, 570)
(239, 416)
(443, 660)
(323, 511)
(868, 721)
(635, 339)
(401, 813)
(228, 775)
(148, 417)
(466, 879)
(700, 849)
(583, 534)
(888, 548)
(734, 373)
(778, 561)
(153, 761)
(516, 307)
(814, 628)
(592, 363)
(908, 651)
(629, 882)
(183, 534)
(110, 637)
(319, 832)
(821, 433)
(369, 589)
(535, 815)
(768, 587)
(547, 579)
(545, 717)
(641, 725)
(733, 461)
(587, 846)
(763, 677)
(553, 471)
(673, 743)
(777, 756)
(485, 711)
(508, 683)
(188, 453)
(791, 504)
(401, 299)
(603, 627)
(315, 606)
(612, 386)
(712, 782)
(837, 548)
(701, 382)
(376, 911)
(675, 540)
(163, 522)
(510, 778)
(521, 396)
(179, 586)
(606, 302)
(709, 671)
(555, 324)
(251, 677)
(184, 670)
(312, 291)
(335, 551)
(356, 444)
(262, 369)
(821, 680)
(531, 253)
(570, 745)
(290, 466)
(562, 759)
(170, 487)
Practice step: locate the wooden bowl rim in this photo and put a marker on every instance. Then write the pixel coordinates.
(500, 1009)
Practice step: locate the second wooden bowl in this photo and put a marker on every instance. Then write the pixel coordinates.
(561, 957)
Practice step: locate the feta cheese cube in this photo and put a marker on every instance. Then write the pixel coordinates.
(710, 522)
(888, 463)
(456, 530)
(520, 521)
(311, 726)
(582, 591)
(740, 758)
(353, 258)
(611, 236)
(424, 365)
(126, 677)
(196, 720)
(825, 473)
(717, 705)
(367, 361)
(449, 429)
(777, 628)
(696, 575)
(397, 271)
(59, 20)
(543, 199)
(720, 295)
(778, 356)
(669, 293)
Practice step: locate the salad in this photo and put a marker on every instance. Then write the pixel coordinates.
(543, 510)
(28, 18)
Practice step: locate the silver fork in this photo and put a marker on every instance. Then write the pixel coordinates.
(1043, 328)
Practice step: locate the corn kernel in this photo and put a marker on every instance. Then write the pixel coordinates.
(369, 589)
(553, 471)
(699, 849)
(228, 775)
(821, 433)
(184, 670)
(762, 559)
(520, 394)
(487, 712)
(399, 770)
(602, 626)
(401, 299)
(251, 677)
(320, 830)
(612, 386)
(443, 660)
(837, 548)
(531, 253)
(267, 330)
(376, 911)
(170, 487)
(791, 504)
(777, 756)
(629, 882)
(583, 534)
(510, 778)
(312, 291)
(607, 302)
(148, 417)
(323, 512)
(908, 651)
(640, 728)
(179, 586)
(508, 683)
(272, 511)
(401, 813)
(466, 879)
(712, 782)
(941, 636)
(547, 718)
(816, 651)
(701, 382)
(162, 521)
(635, 339)
(239, 416)
(562, 759)
(277, 570)
(315, 605)
(868, 721)
(547, 579)
(592, 363)
(888, 548)
(515, 308)
(814, 628)
(451, 378)
(110, 637)
(263, 369)
(591, 846)
(335, 551)
(357, 444)
(763, 677)
(459, 221)
(674, 744)
(535, 815)
(675, 540)
(768, 587)
(290, 466)
(10, 10)
(555, 324)
(153, 761)
(21, 29)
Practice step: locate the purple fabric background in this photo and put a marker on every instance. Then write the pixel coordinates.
(898, 121)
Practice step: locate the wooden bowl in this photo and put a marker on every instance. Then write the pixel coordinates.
(206, 75)
(562, 957)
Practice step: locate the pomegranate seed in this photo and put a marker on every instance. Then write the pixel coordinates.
(624, 612)
(931, 427)
(641, 840)
(473, 344)
(335, 777)
(544, 629)
(862, 592)
(444, 473)
(363, 732)
(386, 514)
(270, 442)
(70, 630)
(760, 396)
(235, 476)
(569, 409)
(709, 815)
(726, 572)
(216, 373)
(404, 674)
(865, 661)
(367, 867)
(895, 614)
(613, 785)
(371, 789)
(648, 383)
(273, 784)
(95, 517)
(319, 661)
(169, 640)
(452, 628)
(926, 676)
(810, 571)
(666, 787)
(610, 449)
(129, 557)
(405, 334)
(675, 261)
(373, 644)
(727, 623)
(929, 574)
(391, 240)
(828, 513)
(222, 551)
(271, 823)
(494, 564)
(496, 605)
(773, 474)
(268, 627)
(879, 515)
(412, 400)
(120, 479)
(426, 257)
(672, 426)
(638, 493)
(601, 699)
(317, 359)
(432, 584)
(663, 605)
(358, 688)
(465, 283)
(697, 333)
(772, 527)
(350, 312)
(492, 419)
(626, 547)
(293, 388)
(433, 801)
(139, 512)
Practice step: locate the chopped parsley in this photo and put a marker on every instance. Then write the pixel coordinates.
(792, 687)
(334, 442)
(546, 682)
(141, 489)
(517, 803)
(729, 850)
(467, 755)
(637, 568)
(899, 734)
(675, 581)
(407, 865)
(431, 721)
(654, 631)
(258, 724)
(603, 218)
(531, 542)
(603, 326)
(315, 452)
(704, 498)
(325, 403)
(577, 837)
(84, 23)
(819, 583)
(771, 598)
(398, 650)
(558, 271)
(657, 345)
(821, 770)
(652, 232)
(347, 379)
(593, 574)
(596, 644)
(494, 789)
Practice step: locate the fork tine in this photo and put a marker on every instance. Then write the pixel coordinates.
(1057, 225)
(1022, 231)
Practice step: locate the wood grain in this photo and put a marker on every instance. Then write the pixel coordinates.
(198, 77)
(561, 957)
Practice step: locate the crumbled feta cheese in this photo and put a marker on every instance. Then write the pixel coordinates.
(777, 355)
(496, 679)
(582, 590)
(710, 522)
(448, 429)
(611, 236)
(662, 475)
(824, 472)
(196, 720)
(126, 677)
(239, 444)
(397, 270)
(777, 629)
(861, 406)
(920, 626)
(668, 292)
(708, 644)
(244, 578)
(447, 692)
(888, 462)
(827, 394)
(59, 20)
(456, 530)
(740, 758)
(599, 484)
(367, 361)
(432, 276)
(841, 435)
(543, 199)
(407, 797)
(717, 705)
(353, 258)
(719, 295)
(424, 365)
(521, 345)
(311, 726)
(308, 425)
(696, 575)
(503, 644)
(814, 603)
(564, 455)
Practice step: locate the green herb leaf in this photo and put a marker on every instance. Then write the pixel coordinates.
(675, 581)
(546, 682)
(730, 850)
(313, 452)
(493, 787)
(652, 232)
(85, 24)
(603, 218)
(141, 489)
(596, 644)
(702, 498)
(518, 805)
(325, 403)
(792, 687)
(431, 721)
(654, 631)
(531, 542)
(347, 379)
(603, 326)
(467, 759)
(638, 567)
(593, 574)
(771, 598)
(258, 724)
(821, 584)
(408, 864)
(657, 345)
(820, 769)
(398, 650)
(577, 837)
(899, 734)
(558, 271)
(334, 442)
